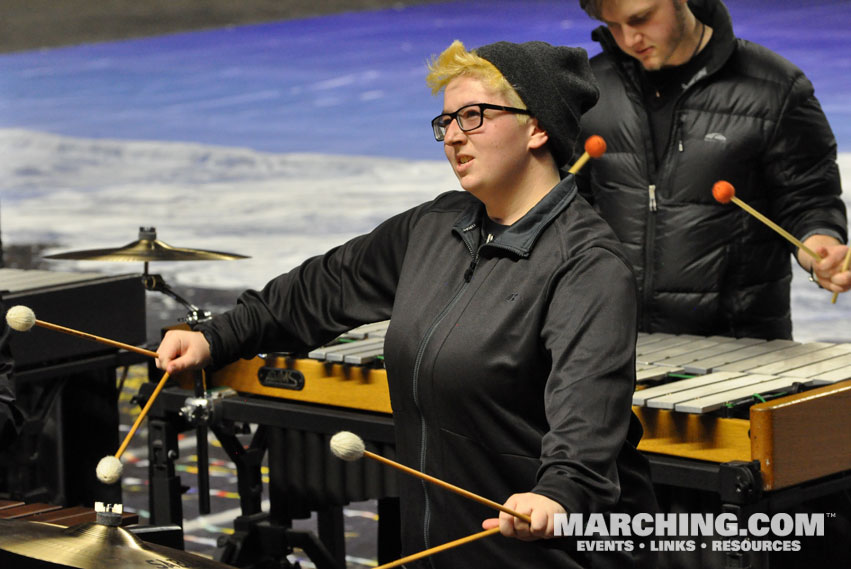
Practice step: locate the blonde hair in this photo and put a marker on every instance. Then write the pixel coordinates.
(456, 61)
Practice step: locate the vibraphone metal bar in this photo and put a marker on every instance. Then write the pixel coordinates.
(819, 363)
(360, 346)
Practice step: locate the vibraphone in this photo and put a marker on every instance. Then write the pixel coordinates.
(791, 398)
(685, 386)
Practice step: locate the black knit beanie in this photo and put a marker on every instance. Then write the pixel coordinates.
(555, 83)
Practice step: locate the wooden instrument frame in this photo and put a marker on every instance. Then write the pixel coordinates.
(795, 438)
(340, 385)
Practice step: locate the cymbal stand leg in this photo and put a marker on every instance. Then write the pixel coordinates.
(203, 469)
(197, 411)
(165, 489)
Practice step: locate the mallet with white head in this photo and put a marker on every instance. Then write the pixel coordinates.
(22, 319)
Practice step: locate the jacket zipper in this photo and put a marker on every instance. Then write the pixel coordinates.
(652, 206)
(468, 275)
(650, 236)
(634, 94)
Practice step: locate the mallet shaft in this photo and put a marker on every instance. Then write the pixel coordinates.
(580, 163)
(142, 415)
(783, 233)
(448, 486)
(87, 336)
(439, 548)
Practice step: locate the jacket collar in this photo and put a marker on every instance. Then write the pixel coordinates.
(711, 12)
(522, 235)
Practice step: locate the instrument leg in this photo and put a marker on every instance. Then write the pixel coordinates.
(332, 532)
(203, 469)
(201, 418)
(389, 538)
(248, 465)
(255, 543)
(315, 550)
(260, 543)
(328, 551)
(737, 559)
(165, 488)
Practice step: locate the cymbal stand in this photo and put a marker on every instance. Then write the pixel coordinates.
(157, 283)
(198, 411)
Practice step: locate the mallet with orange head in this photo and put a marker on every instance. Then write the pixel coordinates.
(724, 192)
(595, 147)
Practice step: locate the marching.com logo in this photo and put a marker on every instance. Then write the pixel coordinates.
(671, 532)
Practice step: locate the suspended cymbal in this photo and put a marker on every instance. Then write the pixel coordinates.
(147, 248)
(93, 546)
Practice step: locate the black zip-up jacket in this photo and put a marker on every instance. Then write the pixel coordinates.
(749, 117)
(511, 363)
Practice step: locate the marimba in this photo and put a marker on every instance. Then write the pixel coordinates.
(57, 515)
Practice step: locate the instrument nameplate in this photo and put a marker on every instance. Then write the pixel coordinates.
(281, 378)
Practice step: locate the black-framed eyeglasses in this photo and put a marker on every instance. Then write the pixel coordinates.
(468, 117)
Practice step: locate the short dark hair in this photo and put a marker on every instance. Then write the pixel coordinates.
(591, 7)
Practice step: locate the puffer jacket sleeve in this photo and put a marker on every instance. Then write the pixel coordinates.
(325, 296)
(590, 333)
(801, 169)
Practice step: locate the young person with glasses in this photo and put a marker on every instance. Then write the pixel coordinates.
(510, 352)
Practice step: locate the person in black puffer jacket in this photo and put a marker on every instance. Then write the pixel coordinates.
(681, 109)
(683, 104)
